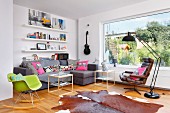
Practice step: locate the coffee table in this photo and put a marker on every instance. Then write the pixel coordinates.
(104, 72)
(57, 76)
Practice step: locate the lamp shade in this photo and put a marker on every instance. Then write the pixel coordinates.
(129, 37)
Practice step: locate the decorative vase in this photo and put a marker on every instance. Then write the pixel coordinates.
(104, 66)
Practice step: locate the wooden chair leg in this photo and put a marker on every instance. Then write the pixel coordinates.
(18, 98)
(25, 101)
(31, 96)
(37, 96)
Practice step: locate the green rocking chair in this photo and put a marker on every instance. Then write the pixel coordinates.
(25, 85)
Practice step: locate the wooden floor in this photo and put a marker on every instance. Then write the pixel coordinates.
(51, 100)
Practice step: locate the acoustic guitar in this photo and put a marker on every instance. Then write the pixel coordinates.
(86, 49)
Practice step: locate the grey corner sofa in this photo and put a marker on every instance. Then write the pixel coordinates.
(79, 77)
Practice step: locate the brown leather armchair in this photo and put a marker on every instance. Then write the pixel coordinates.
(133, 78)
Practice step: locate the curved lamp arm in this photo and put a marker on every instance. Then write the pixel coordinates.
(157, 65)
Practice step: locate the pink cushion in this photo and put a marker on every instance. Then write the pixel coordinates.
(35, 64)
(141, 70)
(82, 65)
(39, 70)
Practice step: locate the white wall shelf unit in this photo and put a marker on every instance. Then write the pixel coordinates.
(29, 51)
(45, 28)
(44, 40)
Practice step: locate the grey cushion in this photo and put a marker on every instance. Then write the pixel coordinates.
(82, 74)
(63, 62)
(30, 66)
(72, 62)
(46, 63)
(24, 63)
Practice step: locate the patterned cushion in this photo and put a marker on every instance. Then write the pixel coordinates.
(17, 77)
(48, 69)
(55, 68)
(67, 68)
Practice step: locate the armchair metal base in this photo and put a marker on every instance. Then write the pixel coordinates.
(133, 89)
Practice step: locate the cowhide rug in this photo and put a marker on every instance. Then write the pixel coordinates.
(102, 102)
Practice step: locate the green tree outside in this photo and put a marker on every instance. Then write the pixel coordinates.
(156, 35)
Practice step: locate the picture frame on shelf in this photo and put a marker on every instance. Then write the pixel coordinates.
(62, 25)
(55, 23)
(39, 18)
(62, 37)
(58, 24)
(41, 46)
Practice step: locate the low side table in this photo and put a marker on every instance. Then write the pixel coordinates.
(107, 73)
(59, 77)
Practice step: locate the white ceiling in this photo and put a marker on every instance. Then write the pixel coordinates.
(75, 8)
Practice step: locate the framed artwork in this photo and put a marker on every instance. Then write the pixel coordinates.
(39, 18)
(58, 24)
(62, 37)
(55, 23)
(61, 24)
(41, 46)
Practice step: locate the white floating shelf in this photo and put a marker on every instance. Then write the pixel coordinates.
(45, 28)
(44, 40)
(44, 50)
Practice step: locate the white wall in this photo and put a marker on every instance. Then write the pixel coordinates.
(96, 20)
(20, 32)
(6, 47)
(96, 36)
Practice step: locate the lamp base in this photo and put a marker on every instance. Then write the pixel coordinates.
(152, 95)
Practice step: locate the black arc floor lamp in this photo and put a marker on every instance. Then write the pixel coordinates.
(149, 94)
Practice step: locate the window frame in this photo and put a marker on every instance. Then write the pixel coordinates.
(129, 18)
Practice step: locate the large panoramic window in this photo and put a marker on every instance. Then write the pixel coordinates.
(153, 29)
